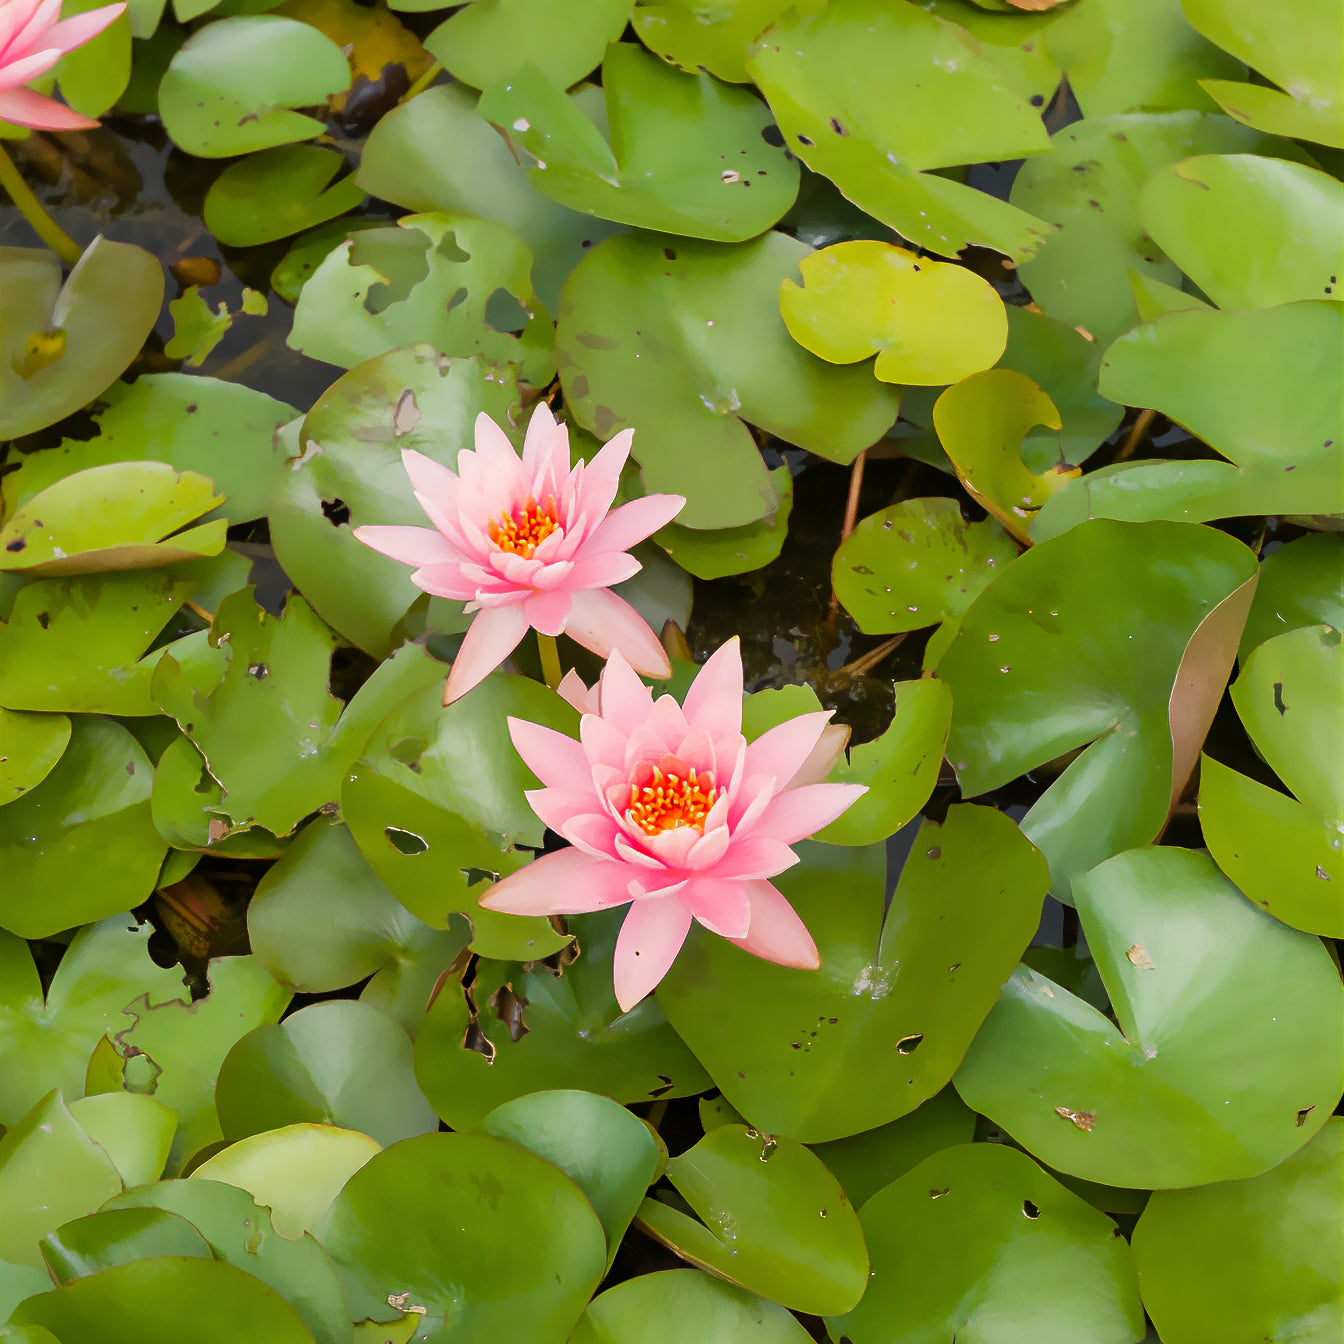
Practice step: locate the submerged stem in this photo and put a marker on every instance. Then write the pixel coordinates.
(35, 212)
(851, 513)
(550, 659)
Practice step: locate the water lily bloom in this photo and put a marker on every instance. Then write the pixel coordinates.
(530, 542)
(669, 809)
(33, 37)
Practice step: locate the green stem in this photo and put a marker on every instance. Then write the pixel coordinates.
(35, 212)
(421, 84)
(550, 659)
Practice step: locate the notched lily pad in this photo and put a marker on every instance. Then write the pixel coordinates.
(278, 192)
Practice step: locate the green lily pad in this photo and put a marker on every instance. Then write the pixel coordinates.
(156, 1301)
(928, 322)
(610, 1154)
(431, 278)
(46, 1045)
(30, 746)
(713, 176)
(897, 999)
(520, 1029)
(134, 1130)
(826, 76)
(89, 815)
(1148, 1103)
(337, 1063)
(1294, 45)
(348, 472)
(653, 335)
(1245, 383)
(131, 515)
(50, 1172)
(1034, 677)
(732, 550)
(437, 800)
(1250, 1260)
(295, 1171)
(278, 192)
(117, 1237)
(771, 1218)
(93, 76)
(262, 723)
(63, 344)
(687, 34)
(1185, 207)
(1090, 188)
(218, 429)
(18, 1282)
(1301, 583)
(230, 88)
(401, 163)
(978, 1238)
(682, 1306)
(241, 1234)
(488, 40)
(466, 1276)
(78, 644)
(1286, 854)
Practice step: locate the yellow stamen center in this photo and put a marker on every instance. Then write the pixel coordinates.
(669, 800)
(523, 530)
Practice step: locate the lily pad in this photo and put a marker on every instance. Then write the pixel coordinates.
(339, 1063)
(1301, 583)
(90, 814)
(231, 86)
(686, 34)
(93, 76)
(1251, 1260)
(431, 278)
(117, 1237)
(732, 550)
(771, 1218)
(979, 1235)
(63, 344)
(898, 997)
(465, 1276)
(488, 40)
(1147, 1103)
(713, 177)
(827, 76)
(683, 342)
(278, 192)
(134, 1130)
(928, 322)
(30, 746)
(520, 1029)
(1035, 677)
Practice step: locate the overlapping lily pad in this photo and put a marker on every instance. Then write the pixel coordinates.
(278, 192)
(30, 745)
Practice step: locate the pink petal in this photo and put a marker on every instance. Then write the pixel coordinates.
(445, 581)
(568, 882)
(650, 938)
(497, 458)
(709, 849)
(24, 23)
(548, 612)
(630, 524)
(558, 761)
(797, 813)
(602, 474)
(417, 546)
(603, 742)
(603, 622)
(714, 700)
(776, 933)
(602, 570)
(754, 857)
(593, 832)
(780, 751)
(722, 907)
(76, 31)
(15, 74)
(572, 689)
(625, 700)
(829, 749)
(23, 107)
(491, 637)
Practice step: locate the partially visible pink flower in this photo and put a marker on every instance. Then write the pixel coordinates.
(31, 42)
(530, 543)
(670, 809)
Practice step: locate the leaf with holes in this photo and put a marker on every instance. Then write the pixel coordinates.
(897, 999)
(1188, 1085)
(694, 38)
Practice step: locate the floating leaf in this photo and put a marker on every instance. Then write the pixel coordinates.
(94, 76)
(278, 192)
(30, 745)
(134, 1130)
(1252, 1260)
(230, 87)
(1301, 583)
(929, 322)
(654, 335)
(897, 999)
(980, 1234)
(117, 1237)
(716, 178)
(1147, 1103)
(688, 35)
(732, 550)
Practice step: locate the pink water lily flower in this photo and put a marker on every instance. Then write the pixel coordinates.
(669, 809)
(31, 42)
(530, 543)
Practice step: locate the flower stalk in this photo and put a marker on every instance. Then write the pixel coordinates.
(32, 209)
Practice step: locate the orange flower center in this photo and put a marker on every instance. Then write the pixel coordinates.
(523, 530)
(669, 800)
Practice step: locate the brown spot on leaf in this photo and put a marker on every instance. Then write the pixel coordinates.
(1083, 1120)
